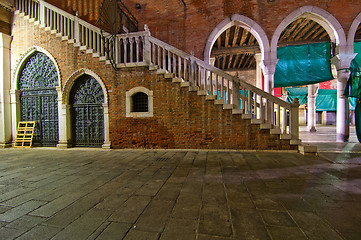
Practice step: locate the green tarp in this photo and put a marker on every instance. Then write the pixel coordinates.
(297, 92)
(303, 65)
(353, 86)
(326, 99)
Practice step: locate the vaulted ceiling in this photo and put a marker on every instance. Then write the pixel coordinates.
(236, 47)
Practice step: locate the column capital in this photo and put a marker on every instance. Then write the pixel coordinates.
(269, 66)
(343, 60)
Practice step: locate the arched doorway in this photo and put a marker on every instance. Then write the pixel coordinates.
(39, 98)
(87, 113)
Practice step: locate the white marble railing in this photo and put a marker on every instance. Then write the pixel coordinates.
(69, 26)
(246, 99)
(141, 49)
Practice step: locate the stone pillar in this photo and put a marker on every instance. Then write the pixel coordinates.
(64, 125)
(342, 117)
(342, 62)
(15, 110)
(5, 110)
(107, 143)
(311, 104)
(258, 57)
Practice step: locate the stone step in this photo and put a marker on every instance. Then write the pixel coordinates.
(185, 84)
(285, 136)
(266, 126)
(275, 131)
(246, 116)
(307, 149)
(211, 97)
(237, 111)
(227, 106)
(193, 88)
(201, 93)
(256, 121)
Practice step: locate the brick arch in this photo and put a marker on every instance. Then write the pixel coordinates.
(24, 58)
(254, 28)
(352, 31)
(70, 82)
(322, 17)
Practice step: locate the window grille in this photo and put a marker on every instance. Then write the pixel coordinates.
(140, 102)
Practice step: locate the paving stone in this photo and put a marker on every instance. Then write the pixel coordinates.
(169, 191)
(247, 224)
(40, 233)
(20, 210)
(313, 226)
(10, 233)
(215, 220)
(277, 218)
(135, 234)
(91, 193)
(179, 229)
(115, 231)
(26, 222)
(84, 226)
(155, 216)
(58, 204)
(131, 209)
(283, 232)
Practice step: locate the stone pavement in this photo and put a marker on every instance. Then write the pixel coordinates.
(49, 193)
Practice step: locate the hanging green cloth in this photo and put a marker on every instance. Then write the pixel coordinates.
(297, 92)
(303, 64)
(326, 100)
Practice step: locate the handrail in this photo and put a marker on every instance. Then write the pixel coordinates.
(141, 49)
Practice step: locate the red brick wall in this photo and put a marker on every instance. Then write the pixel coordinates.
(188, 27)
(182, 119)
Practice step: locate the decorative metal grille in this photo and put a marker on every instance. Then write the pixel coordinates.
(39, 98)
(87, 99)
(140, 102)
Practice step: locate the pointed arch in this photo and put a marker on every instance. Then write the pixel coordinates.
(322, 17)
(66, 133)
(352, 31)
(244, 22)
(70, 82)
(25, 107)
(23, 60)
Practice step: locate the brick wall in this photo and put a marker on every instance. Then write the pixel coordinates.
(188, 26)
(182, 119)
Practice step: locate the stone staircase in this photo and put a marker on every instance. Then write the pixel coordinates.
(140, 49)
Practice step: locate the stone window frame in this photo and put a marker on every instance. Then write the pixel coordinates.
(129, 102)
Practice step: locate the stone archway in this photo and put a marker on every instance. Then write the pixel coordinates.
(80, 84)
(35, 89)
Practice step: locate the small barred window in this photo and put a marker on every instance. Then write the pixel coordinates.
(140, 102)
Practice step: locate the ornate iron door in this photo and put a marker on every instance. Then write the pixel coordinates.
(39, 98)
(87, 100)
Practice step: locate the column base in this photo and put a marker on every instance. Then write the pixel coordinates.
(106, 145)
(6, 144)
(66, 144)
(312, 129)
(342, 138)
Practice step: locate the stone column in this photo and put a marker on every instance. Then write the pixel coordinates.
(64, 125)
(5, 110)
(342, 122)
(258, 57)
(311, 104)
(342, 62)
(107, 143)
